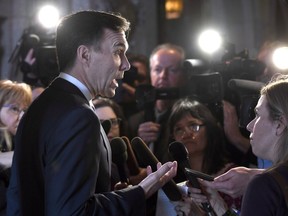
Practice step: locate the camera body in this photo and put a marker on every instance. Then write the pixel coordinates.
(236, 83)
(42, 41)
(210, 84)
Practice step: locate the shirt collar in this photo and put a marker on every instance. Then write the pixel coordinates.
(78, 84)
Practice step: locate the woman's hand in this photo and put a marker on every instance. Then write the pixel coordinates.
(207, 195)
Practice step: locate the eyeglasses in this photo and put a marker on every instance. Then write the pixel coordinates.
(180, 131)
(14, 109)
(114, 121)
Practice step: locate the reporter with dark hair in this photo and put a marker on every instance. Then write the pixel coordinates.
(193, 124)
(62, 154)
(107, 109)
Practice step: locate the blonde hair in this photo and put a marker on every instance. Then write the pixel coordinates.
(13, 92)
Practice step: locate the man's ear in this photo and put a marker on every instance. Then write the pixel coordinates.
(281, 125)
(83, 54)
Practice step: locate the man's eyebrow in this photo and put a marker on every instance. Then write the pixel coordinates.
(121, 44)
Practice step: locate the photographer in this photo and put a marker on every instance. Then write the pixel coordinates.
(165, 72)
(227, 88)
(266, 193)
(232, 131)
(239, 146)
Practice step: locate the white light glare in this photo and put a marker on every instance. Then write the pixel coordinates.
(48, 16)
(280, 58)
(210, 41)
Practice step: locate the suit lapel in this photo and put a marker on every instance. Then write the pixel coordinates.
(67, 86)
(107, 146)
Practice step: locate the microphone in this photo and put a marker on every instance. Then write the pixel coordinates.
(179, 152)
(145, 158)
(132, 162)
(119, 157)
(245, 86)
(106, 124)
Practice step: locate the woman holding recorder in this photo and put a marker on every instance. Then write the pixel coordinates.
(269, 140)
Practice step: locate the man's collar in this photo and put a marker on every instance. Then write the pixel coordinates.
(78, 84)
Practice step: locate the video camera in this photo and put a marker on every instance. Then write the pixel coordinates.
(42, 41)
(232, 80)
(206, 88)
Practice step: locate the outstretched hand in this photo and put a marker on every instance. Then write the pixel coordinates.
(156, 180)
(234, 182)
(207, 195)
(29, 59)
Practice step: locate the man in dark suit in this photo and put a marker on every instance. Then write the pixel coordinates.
(62, 155)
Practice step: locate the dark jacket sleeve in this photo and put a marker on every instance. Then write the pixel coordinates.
(130, 201)
(74, 162)
(263, 197)
(81, 154)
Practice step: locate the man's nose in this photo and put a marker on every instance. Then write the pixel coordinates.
(125, 64)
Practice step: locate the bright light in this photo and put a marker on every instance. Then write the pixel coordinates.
(48, 16)
(210, 41)
(280, 58)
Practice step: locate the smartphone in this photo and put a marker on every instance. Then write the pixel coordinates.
(192, 174)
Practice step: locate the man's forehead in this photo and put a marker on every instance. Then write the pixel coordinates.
(118, 38)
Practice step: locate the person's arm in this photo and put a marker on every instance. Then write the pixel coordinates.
(231, 128)
(131, 90)
(149, 131)
(208, 195)
(76, 185)
(234, 182)
(130, 201)
(29, 59)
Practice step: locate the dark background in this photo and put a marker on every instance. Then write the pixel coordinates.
(245, 23)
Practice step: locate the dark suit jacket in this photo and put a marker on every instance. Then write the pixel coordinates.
(62, 158)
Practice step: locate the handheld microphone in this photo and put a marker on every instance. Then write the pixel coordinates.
(119, 157)
(145, 158)
(179, 152)
(106, 124)
(132, 163)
